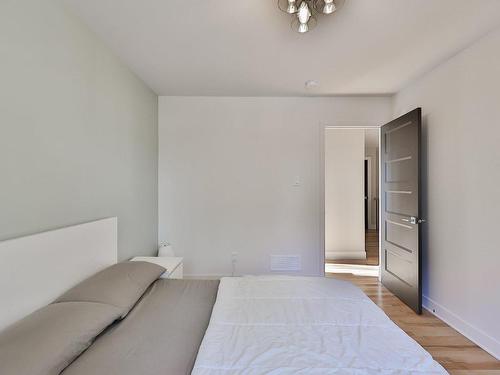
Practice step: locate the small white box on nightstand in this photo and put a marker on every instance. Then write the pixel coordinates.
(173, 265)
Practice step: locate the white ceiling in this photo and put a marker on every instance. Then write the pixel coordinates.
(246, 48)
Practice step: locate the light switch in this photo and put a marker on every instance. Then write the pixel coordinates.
(297, 182)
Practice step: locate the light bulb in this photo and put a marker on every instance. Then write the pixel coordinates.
(304, 13)
(329, 7)
(292, 7)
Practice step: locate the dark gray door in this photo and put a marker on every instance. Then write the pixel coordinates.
(401, 244)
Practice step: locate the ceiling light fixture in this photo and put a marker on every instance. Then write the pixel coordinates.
(306, 12)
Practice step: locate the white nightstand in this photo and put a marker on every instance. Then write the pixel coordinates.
(173, 265)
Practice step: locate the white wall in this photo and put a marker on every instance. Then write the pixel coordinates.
(78, 131)
(226, 170)
(461, 140)
(344, 194)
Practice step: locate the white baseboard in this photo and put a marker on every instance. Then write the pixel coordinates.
(480, 338)
(333, 255)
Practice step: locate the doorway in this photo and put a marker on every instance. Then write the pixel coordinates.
(351, 167)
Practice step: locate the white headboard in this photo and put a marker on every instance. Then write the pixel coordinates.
(36, 269)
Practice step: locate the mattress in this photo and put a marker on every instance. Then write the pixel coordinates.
(160, 335)
(285, 325)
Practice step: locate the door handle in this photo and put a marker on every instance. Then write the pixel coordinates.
(414, 220)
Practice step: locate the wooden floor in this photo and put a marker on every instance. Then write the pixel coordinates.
(452, 350)
(371, 247)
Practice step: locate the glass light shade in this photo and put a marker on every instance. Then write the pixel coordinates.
(292, 7)
(304, 13)
(329, 8)
(303, 28)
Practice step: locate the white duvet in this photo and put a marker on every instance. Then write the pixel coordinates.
(299, 325)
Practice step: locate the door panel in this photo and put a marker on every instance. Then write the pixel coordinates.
(398, 235)
(398, 202)
(399, 170)
(400, 267)
(401, 244)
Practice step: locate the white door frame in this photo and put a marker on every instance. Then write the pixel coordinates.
(369, 188)
(322, 128)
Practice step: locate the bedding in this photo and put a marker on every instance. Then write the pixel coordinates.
(296, 325)
(161, 335)
(119, 285)
(244, 325)
(49, 339)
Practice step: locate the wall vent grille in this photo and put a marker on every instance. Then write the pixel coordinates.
(285, 263)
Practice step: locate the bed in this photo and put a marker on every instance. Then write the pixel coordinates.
(304, 325)
(125, 320)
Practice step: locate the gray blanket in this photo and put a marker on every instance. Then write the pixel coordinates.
(161, 335)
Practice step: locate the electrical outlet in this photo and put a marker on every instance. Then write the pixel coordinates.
(234, 260)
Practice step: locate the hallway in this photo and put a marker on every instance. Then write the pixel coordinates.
(372, 253)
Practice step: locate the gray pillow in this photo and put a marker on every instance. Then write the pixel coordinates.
(48, 340)
(120, 285)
